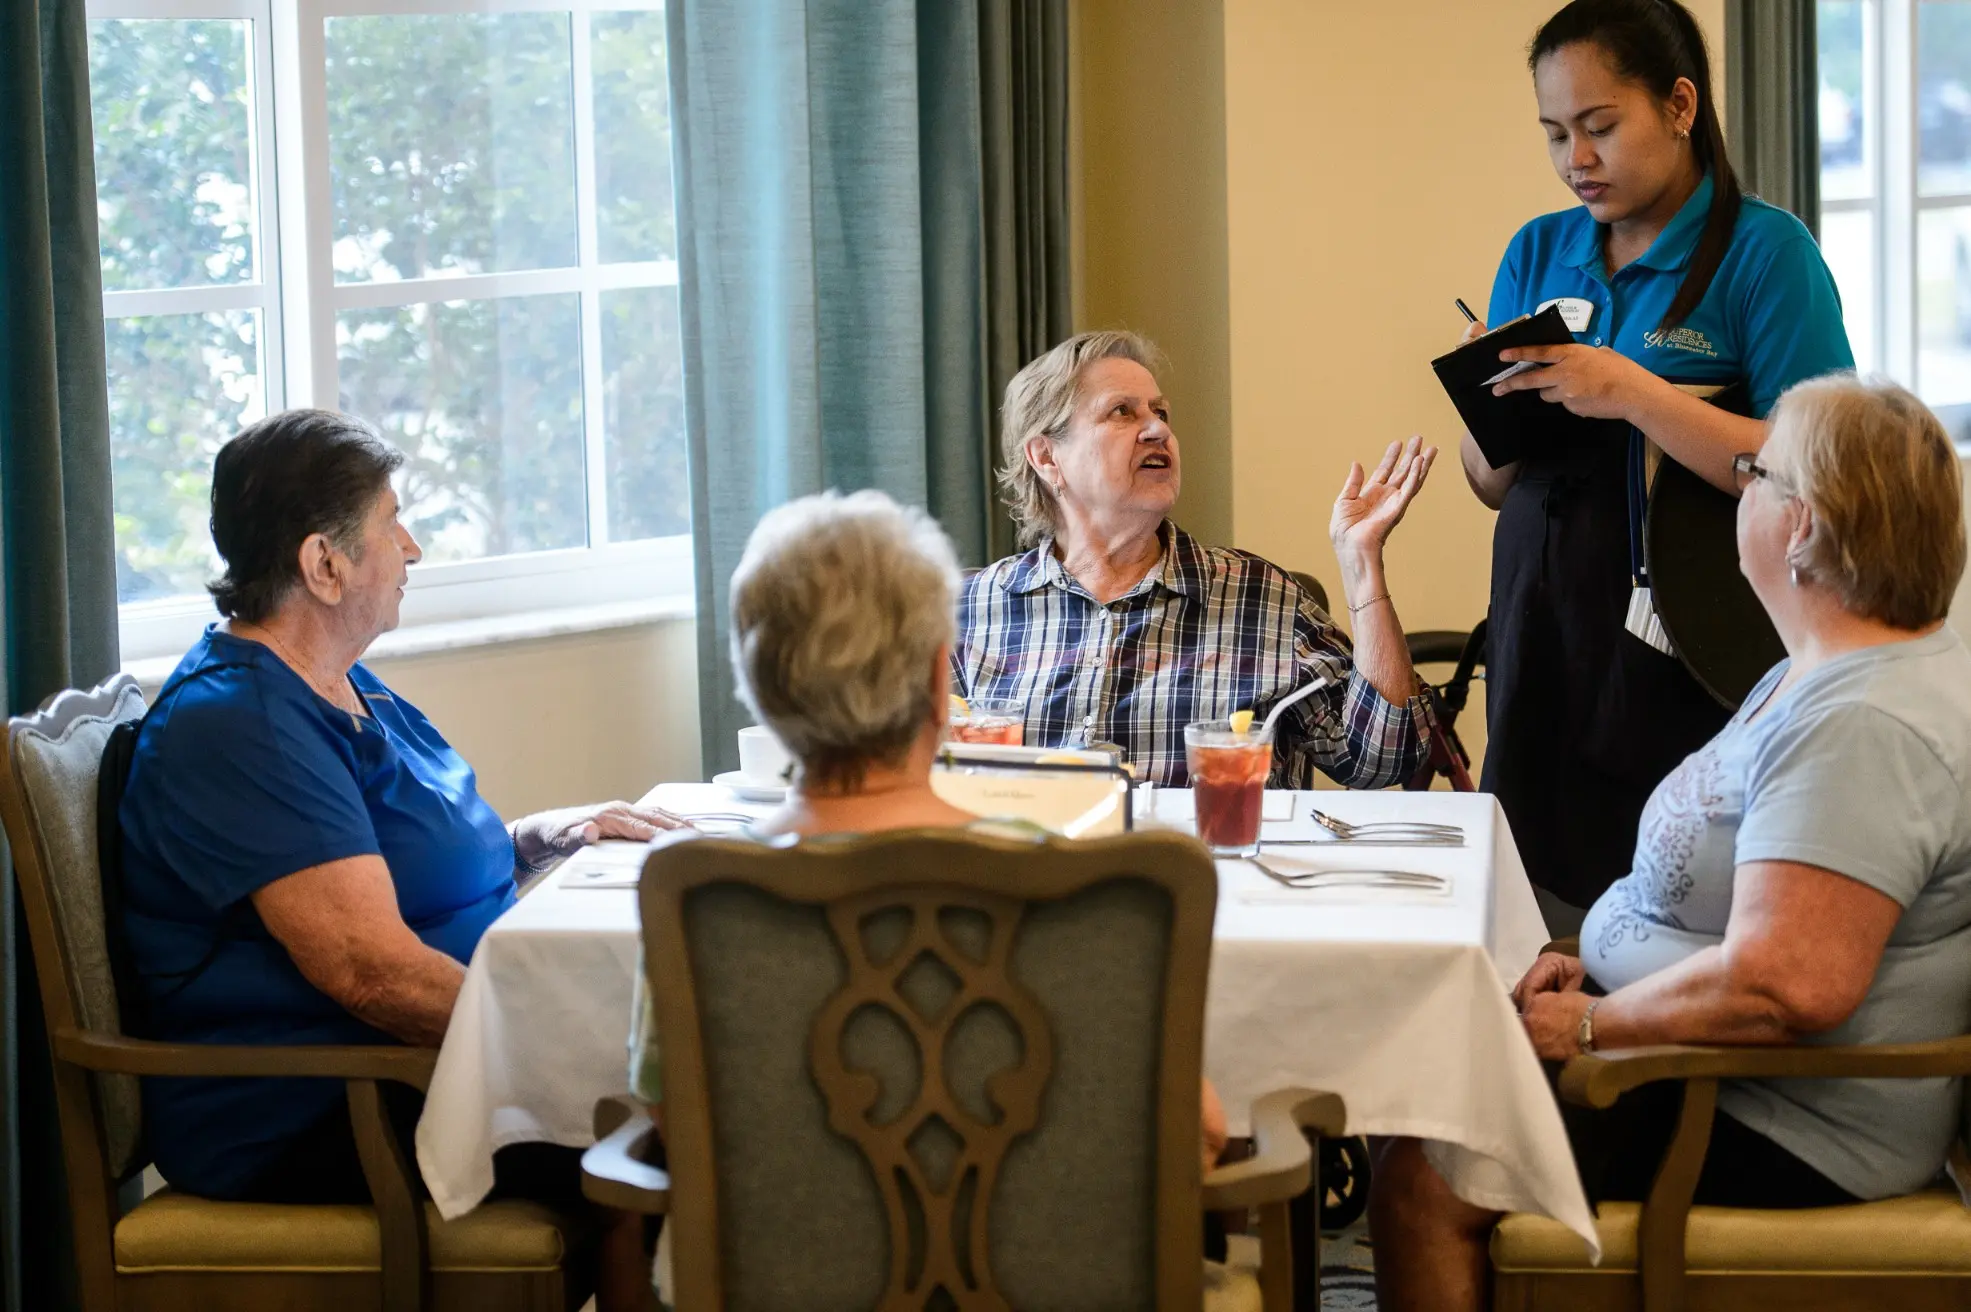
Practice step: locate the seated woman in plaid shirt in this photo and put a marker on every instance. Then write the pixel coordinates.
(1117, 626)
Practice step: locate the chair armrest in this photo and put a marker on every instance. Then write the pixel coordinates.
(1567, 947)
(614, 1172)
(1597, 1079)
(114, 1054)
(1281, 1166)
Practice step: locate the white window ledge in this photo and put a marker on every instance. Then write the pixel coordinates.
(459, 635)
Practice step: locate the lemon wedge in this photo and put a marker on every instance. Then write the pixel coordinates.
(1241, 722)
(958, 705)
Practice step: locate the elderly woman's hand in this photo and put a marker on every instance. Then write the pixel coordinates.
(1553, 1022)
(1370, 506)
(1554, 972)
(541, 839)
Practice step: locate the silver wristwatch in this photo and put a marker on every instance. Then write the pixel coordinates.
(1585, 1034)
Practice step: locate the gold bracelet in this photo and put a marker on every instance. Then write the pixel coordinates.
(1356, 610)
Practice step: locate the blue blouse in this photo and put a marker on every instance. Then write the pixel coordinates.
(244, 775)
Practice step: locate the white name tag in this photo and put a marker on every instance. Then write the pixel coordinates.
(1575, 311)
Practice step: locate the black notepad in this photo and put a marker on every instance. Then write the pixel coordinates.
(1518, 424)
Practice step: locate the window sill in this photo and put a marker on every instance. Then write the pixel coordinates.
(463, 635)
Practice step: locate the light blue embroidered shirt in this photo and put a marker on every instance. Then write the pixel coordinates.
(1861, 768)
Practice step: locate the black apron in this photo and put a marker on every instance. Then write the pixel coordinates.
(1583, 719)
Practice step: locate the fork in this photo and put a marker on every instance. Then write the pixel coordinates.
(1421, 829)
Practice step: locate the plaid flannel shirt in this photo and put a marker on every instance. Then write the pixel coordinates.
(1207, 632)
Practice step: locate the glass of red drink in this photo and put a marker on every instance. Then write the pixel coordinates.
(1002, 723)
(1228, 784)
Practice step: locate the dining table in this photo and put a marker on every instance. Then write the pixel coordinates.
(1377, 972)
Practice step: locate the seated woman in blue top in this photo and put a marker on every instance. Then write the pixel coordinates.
(1803, 878)
(306, 859)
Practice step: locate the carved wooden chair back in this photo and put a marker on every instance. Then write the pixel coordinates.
(932, 1070)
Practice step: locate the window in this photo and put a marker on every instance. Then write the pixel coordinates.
(452, 217)
(1895, 147)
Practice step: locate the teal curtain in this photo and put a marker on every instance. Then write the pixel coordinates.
(871, 228)
(57, 537)
(1772, 109)
(1023, 88)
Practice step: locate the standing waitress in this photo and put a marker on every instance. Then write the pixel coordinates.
(1666, 273)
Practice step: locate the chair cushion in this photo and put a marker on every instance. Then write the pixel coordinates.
(1926, 1233)
(1233, 1285)
(176, 1232)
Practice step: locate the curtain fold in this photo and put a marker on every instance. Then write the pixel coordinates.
(1772, 102)
(872, 235)
(1028, 279)
(57, 536)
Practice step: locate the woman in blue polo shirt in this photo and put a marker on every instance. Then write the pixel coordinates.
(1667, 274)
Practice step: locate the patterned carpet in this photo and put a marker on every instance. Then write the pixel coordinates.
(1348, 1268)
(1348, 1271)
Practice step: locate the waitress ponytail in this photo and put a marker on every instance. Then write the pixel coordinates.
(1653, 43)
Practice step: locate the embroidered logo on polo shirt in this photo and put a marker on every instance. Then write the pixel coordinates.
(1681, 339)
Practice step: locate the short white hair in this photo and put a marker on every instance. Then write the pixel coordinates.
(839, 605)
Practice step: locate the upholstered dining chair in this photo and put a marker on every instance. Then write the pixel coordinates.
(940, 1069)
(172, 1252)
(1909, 1254)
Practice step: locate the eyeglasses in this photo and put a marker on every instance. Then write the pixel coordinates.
(1745, 467)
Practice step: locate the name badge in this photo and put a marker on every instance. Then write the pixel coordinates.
(1575, 311)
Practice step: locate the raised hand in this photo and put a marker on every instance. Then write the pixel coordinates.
(1372, 505)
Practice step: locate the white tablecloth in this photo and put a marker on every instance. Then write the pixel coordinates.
(1397, 1001)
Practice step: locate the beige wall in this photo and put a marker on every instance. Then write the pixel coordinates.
(557, 721)
(1148, 101)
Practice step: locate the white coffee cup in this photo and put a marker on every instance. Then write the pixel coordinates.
(761, 757)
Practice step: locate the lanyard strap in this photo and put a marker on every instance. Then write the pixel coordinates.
(1638, 487)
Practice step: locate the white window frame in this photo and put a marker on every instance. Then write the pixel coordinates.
(297, 296)
(1895, 202)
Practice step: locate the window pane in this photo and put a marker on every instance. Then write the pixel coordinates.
(1847, 242)
(451, 139)
(1943, 97)
(179, 386)
(1943, 305)
(632, 137)
(174, 197)
(649, 490)
(1843, 171)
(485, 397)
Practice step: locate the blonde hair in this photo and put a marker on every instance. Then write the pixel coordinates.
(1884, 484)
(1039, 403)
(838, 606)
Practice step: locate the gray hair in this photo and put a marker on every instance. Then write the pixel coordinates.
(1039, 403)
(1887, 495)
(838, 606)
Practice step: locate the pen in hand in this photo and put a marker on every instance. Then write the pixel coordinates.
(1464, 309)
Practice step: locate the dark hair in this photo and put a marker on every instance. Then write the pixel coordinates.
(277, 483)
(1653, 43)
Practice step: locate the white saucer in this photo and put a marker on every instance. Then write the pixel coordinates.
(749, 791)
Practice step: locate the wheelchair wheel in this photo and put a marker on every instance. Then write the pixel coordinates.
(1345, 1174)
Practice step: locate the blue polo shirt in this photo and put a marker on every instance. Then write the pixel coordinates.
(243, 775)
(1771, 316)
